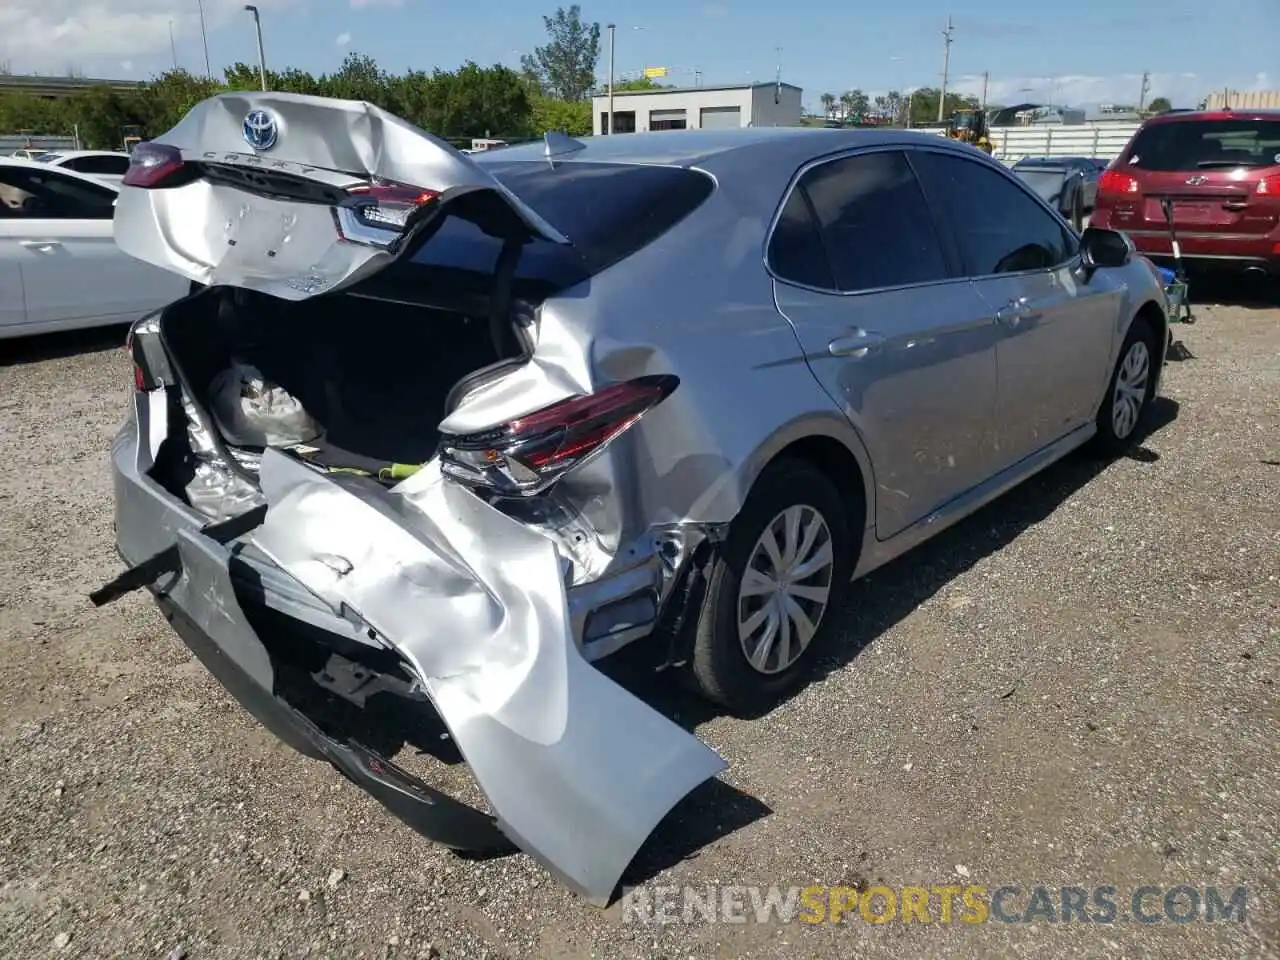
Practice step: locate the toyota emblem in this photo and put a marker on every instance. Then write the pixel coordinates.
(260, 130)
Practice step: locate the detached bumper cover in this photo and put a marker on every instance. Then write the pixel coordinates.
(577, 770)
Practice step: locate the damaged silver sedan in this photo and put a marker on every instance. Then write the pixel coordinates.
(456, 428)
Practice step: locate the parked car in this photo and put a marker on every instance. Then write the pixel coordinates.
(60, 267)
(450, 429)
(1220, 174)
(102, 164)
(1069, 184)
(27, 153)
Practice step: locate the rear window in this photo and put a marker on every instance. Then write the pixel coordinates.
(1204, 144)
(607, 210)
(1047, 183)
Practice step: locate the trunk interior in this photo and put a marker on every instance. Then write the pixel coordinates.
(376, 376)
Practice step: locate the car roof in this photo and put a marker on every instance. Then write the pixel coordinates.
(62, 171)
(698, 147)
(88, 153)
(1201, 116)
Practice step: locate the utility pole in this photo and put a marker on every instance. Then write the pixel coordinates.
(777, 80)
(204, 36)
(613, 30)
(985, 77)
(172, 46)
(946, 68)
(1146, 88)
(262, 60)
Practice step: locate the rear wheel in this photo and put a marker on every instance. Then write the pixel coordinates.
(1132, 388)
(784, 565)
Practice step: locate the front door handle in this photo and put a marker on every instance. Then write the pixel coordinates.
(39, 244)
(856, 345)
(1014, 312)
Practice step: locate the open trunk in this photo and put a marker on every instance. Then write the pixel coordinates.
(375, 377)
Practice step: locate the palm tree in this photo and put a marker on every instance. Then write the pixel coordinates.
(859, 103)
(828, 104)
(846, 104)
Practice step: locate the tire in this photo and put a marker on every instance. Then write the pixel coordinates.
(1130, 391)
(719, 665)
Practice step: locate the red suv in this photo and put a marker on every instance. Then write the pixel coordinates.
(1221, 172)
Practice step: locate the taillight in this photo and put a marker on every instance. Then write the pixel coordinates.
(527, 455)
(1269, 186)
(152, 163)
(1113, 181)
(387, 205)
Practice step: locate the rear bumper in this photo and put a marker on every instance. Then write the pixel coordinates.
(428, 811)
(1228, 251)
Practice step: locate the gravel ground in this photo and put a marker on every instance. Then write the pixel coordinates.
(1075, 687)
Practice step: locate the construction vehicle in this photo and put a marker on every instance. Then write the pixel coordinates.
(969, 125)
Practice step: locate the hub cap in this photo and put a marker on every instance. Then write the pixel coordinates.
(1131, 389)
(785, 589)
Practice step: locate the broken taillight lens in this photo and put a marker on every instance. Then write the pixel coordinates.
(527, 455)
(150, 164)
(387, 205)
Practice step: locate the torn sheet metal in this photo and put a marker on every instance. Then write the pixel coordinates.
(237, 226)
(215, 489)
(577, 770)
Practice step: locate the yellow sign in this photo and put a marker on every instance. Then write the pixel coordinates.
(652, 73)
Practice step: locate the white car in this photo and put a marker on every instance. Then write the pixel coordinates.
(60, 268)
(99, 164)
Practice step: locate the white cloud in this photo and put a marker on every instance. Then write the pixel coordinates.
(1182, 89)
(95, 36)
(343, 39)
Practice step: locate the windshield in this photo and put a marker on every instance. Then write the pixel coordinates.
(1201, 144)
(1046, 183)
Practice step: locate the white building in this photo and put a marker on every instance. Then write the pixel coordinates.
(693, 108)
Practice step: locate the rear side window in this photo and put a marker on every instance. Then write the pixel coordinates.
(1204, 144)
(875, 223)
(607, 210)
(45, 195)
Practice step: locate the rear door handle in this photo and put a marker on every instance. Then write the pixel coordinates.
(1235, 205)
(856, 345)
(39, 244)
(1014, 312)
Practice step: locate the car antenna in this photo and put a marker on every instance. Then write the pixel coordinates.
(558, 144)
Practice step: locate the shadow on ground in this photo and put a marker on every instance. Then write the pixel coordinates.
(55, 346)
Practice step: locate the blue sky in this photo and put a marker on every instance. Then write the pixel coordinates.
(1083, 51)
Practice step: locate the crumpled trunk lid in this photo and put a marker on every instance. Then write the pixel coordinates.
(273, 192)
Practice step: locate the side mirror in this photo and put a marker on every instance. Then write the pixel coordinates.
(1104, 248)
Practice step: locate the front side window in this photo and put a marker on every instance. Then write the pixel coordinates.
(875, 224)
(998, 226)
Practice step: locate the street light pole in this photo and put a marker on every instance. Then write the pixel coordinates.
(204, 36)
(613, 30)
(262, 59)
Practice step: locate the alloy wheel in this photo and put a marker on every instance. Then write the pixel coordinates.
(785, 589)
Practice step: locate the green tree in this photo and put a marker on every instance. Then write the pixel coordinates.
(637, 83)
(828, 104)
(100, 115)
(924, 105)
(565, 67)
(1159, 105)
(475, 101)
(571, 118)
(27, 114)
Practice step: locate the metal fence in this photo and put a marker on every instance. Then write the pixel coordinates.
(1103, 139)
(10, 142)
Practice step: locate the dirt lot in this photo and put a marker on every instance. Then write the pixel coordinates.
(1075, 687)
